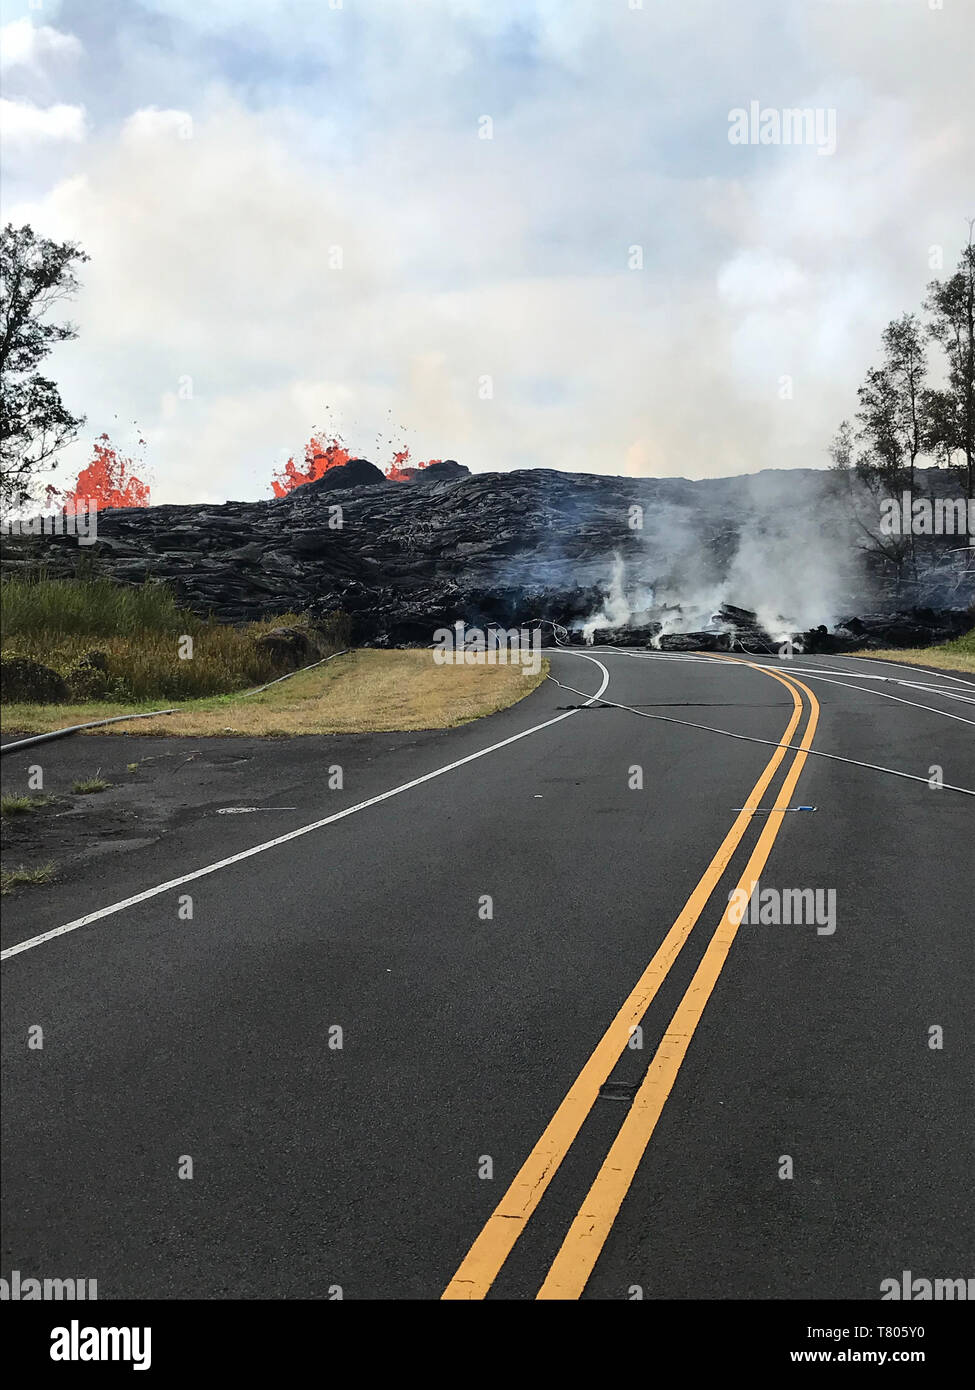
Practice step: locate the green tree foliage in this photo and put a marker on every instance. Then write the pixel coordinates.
(35, 274)
(901, 419)
(950, 422)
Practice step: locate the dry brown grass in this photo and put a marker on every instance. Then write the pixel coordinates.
(958, 655)
(364, 692)
(924, 656)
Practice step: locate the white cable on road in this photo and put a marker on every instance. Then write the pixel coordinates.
(813, 674)
(829, 670)
(887, 680)
(886, 695)
(770, 743)
(926, 670)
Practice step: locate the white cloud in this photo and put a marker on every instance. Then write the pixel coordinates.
(26, 45)
(24, 124)
(212, 218)
(152, 124)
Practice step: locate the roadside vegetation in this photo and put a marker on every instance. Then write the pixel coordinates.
(20, 877)
(23, 805)
(91, 641)
(957, 655)
(89, 785)
(360, 692)
(903, 419)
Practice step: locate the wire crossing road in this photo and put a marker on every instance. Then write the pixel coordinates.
(530, 1009)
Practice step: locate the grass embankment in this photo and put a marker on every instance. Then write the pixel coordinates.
(958, 655)
(140, 631)
(364, 692)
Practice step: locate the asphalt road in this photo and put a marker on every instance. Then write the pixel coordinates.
(480, 1069)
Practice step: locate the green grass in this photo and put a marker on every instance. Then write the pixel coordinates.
(56, 621)
(89, 608)
(15, 878)
(22, 805)
(961, 645)
(91, 784)
(956, 655)
(364, 691)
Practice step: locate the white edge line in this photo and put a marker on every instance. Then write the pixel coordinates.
(813, 673)
(769, 659)
(910, 666)
(85, 921)
(884, 694)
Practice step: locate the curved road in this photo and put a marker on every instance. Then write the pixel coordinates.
(484, 1023)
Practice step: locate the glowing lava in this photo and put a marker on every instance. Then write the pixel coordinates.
(319, 458)
(399, 474)
(108, 481)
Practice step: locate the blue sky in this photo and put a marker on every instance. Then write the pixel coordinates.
(215, 158)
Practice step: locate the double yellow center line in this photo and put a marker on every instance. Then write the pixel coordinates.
(577, 1256)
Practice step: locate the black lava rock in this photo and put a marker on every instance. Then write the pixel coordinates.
(538, 546)
(355, 473)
